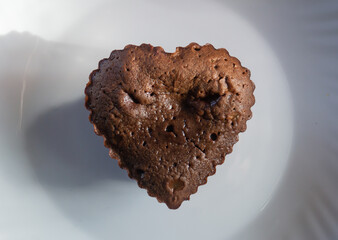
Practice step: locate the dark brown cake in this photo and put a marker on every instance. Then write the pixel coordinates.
(170, 118)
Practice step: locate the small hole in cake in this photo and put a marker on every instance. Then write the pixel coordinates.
(234, 65)
(134, 90)
(176, 185)
(225, 59)
(175, 164)
(132, 133)
(152, 94)
(166, 146)
(243, 73)
(117, 57)
(197, 48)
(213, 136)
(170, 128)
(128, 69)
(212, 99)
(174, 118)
(133, 98)
(216, 66)
(237, 94)
(150, 131)
(140, 173)
(144, 143)
(243, 85)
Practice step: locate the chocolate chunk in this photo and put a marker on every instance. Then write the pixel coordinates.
(170, 118)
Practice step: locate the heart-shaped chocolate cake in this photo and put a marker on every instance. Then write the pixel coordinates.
(170, 118)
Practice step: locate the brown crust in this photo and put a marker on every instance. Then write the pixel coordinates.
(181, 190)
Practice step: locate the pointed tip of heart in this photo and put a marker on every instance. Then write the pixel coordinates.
(176, 194)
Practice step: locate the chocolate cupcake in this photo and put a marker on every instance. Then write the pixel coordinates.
(170, 118)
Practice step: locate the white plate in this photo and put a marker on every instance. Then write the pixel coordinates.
(56, 179)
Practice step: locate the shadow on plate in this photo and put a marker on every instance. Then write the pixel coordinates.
(65, 152)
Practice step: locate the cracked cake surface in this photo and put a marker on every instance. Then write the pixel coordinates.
(170, 118)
